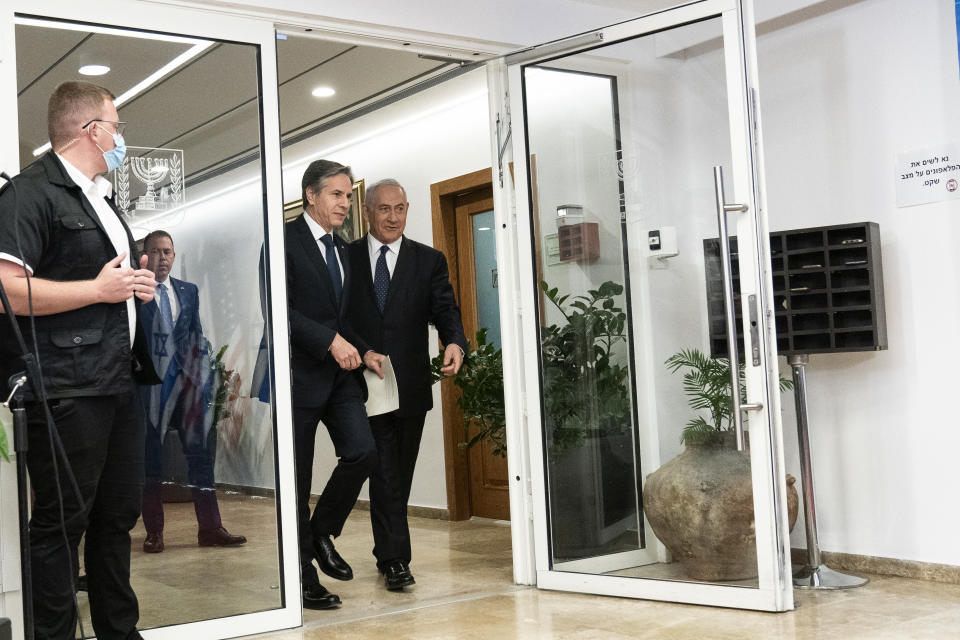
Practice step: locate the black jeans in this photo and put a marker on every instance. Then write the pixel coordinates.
(346, 420)
(398, 443)
(103, 440)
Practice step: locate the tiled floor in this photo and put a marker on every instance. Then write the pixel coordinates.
(465, 590)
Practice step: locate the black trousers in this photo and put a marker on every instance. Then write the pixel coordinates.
(200, 452)
(398, 443)
(103, 440)
(346, 421)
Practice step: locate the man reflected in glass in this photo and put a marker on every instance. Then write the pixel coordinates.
(182, 402)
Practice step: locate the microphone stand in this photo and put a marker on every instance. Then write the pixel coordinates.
(15, 404)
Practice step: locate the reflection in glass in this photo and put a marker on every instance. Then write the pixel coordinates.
(486, 276)
(623, 138)
(194, 173)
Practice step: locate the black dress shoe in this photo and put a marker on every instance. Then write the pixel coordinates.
(329, 560)
(315, 596)
(153, 543)
(396, 576)
(218, 537)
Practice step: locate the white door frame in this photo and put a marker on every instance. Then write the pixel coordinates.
(521, 375)
(209, 25)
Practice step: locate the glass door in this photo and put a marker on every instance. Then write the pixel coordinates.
(198, 92)
(658, 467)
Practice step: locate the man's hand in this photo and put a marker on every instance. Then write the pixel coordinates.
(144, 283)
(344, 353)
(452, 359)
(115, 282)
(374, 362)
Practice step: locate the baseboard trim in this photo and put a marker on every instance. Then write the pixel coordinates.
(433, 513)
(853, 563)
(260, 492)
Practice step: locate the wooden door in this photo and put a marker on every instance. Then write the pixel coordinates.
(477, 480)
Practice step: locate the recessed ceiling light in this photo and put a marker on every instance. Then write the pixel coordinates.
(323, 92)
(94, 70)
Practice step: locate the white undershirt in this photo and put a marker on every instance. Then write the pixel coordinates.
(373, 245)
(173, 296)
(318, 232)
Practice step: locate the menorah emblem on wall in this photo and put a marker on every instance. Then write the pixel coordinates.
(149, 171)
(150, 179)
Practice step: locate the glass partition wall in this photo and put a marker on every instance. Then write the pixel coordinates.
(199, 137)
(644, 490)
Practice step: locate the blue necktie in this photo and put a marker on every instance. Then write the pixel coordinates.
(332, 265)
(166, 314)
(381, 278)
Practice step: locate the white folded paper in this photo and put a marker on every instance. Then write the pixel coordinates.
(382, 395)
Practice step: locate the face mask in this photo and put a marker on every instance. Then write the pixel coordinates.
(114, 157)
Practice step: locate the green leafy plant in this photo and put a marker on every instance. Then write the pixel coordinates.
(585, 390)
(707, 384)
(480, 380)
(4, 445)
(585, 387)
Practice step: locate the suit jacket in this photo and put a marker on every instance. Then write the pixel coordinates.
(420, 293)
(315, 315)
(187, 336)
(182, 361)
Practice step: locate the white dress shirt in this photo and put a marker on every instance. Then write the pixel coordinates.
(173, 296)
(373, 245)
(319, 232)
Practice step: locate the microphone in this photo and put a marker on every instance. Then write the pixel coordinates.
(3, 174)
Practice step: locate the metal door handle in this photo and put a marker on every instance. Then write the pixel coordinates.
(725, 265)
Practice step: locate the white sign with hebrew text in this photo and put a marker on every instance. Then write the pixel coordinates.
(928, 175)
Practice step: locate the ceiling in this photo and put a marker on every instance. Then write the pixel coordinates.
(208, 105)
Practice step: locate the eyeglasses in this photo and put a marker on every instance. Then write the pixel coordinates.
(117, 126)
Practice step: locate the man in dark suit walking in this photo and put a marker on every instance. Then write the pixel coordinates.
(399, 286)
(181, 402)
(325, 356)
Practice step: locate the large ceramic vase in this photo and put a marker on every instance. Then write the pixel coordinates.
(700, 506)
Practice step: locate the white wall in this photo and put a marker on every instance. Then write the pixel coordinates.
(438, 134)
(843, 91)
(842, 94)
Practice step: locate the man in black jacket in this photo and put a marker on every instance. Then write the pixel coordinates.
(400, 286)
(325, 357)
(58, 225)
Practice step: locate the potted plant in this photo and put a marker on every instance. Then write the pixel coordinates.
(586, 412)
(579, 362)
(480, 381)
(700, 504)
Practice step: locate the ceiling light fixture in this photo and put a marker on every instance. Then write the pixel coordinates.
(323, 92)
(199, 46)
(93, 70)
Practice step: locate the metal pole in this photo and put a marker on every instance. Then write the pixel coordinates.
(815, 575)
(26, 579)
